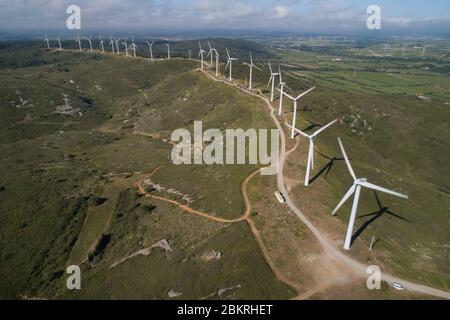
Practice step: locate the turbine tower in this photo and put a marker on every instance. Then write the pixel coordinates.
(48, 41)
(355, 189)
(273, 76)
(251, 65)
(230, 64)
(168, 51)
(385, 49)
(201, 55)
(294, 120)
(312, 139)
(79, 42)
(150, 48)
(190, 54)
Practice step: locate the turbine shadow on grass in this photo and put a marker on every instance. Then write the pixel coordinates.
(375, 216)
(327, 168)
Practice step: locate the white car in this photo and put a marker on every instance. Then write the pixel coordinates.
(398, 286)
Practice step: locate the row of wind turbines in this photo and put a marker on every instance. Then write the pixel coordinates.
(283, 89)
(115, 43)
(358, 183)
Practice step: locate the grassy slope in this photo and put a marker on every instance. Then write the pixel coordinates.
(59, 164)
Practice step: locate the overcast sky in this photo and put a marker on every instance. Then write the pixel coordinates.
(324, 16)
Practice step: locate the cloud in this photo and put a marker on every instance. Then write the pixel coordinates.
(281, 12)
(331, 16)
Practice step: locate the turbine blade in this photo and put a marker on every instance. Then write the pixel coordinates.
(270, 67)
(384, 190)
(228, 64)
(324, 128)
(347, 161)
(305, 93)
(298, 131)
(347, 196)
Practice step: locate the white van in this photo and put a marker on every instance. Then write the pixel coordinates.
(280, 197)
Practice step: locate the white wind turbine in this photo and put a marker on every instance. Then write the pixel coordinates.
(150, 48)
(312, 139)
(201, 55)
(102, 44)
(282, 85)
(48, 41)
(88, 39)
(111, 43)
(210, 53)
(216, 52)
(117, 45)
(79, 42)
(189, 54)
(168, 51)
(59, 43)
(386, 49)
(230, 64)
(273, 76)
(126, 46)
(251, 65)
(133, 46)
(355, 189)
(424, 50)
(294, 120)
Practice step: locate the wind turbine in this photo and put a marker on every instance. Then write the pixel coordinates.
(133, 46)
(312, 139)
(150, 48)
(111, 43)
(102, 44)
(88, 39)
(117, 45)
(201, 55)
(59, 43)
(48, 41)
(273, 76)
(355, 189)
(230, 64)
(190, 54)
(79, 42)
(251, 65)
(424, 50)
(294, 120)
(216, 52)
(168, 51)
(403, 51)
(281, 85)
(385, 49)
(126, 46)
(210, 53)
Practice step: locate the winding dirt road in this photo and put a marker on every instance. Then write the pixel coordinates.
(359, 269)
